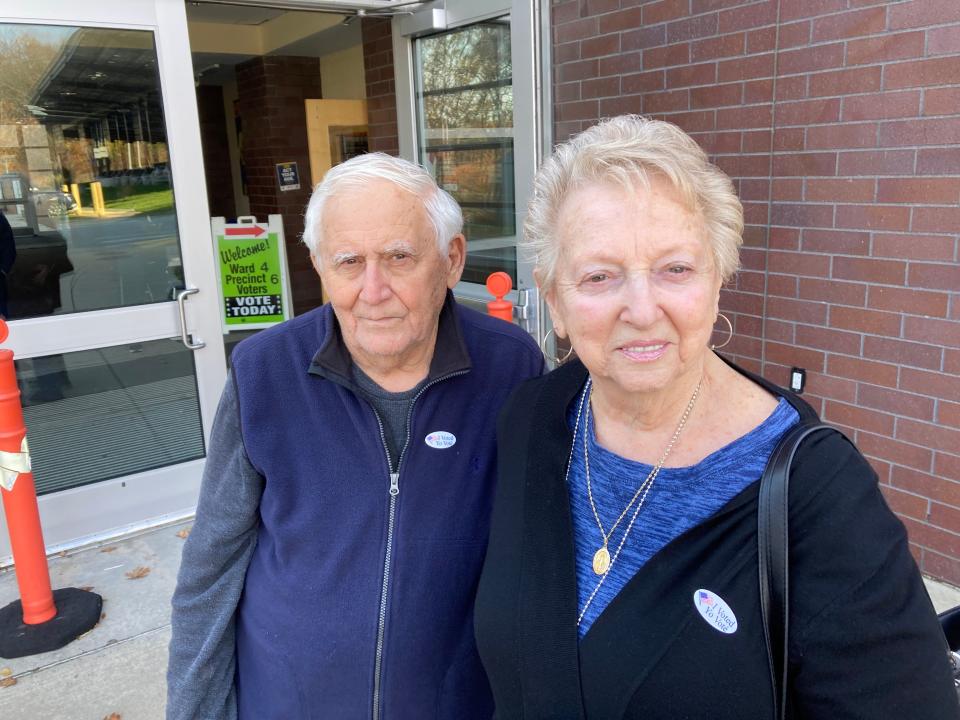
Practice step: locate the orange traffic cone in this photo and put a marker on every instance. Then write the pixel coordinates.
(42, 620)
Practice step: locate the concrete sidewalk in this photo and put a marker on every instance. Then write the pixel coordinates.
(120, 666)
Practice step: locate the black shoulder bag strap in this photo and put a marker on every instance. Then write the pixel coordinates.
(774, 555)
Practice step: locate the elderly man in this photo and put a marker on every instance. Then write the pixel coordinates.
(344, 511)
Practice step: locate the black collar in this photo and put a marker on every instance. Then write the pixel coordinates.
(570, 377)
(450, 355)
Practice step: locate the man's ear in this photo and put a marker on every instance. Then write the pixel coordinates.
(456, 259)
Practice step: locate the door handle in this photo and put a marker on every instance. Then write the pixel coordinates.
(185, 338)
(521, 309)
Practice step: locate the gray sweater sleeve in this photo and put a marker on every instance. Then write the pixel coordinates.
(200, 674)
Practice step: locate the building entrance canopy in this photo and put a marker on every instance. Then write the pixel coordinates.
(361, 7)
(97, 72)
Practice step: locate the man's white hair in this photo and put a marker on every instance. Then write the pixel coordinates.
(358, 172)
(629, 151)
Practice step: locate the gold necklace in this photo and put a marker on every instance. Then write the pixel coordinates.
(601, 558)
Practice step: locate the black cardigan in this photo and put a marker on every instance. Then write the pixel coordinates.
(864, 639)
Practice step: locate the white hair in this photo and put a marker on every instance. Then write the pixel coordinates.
(357, 173)
(628, 150)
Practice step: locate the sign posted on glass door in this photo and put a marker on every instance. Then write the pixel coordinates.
(253, 272)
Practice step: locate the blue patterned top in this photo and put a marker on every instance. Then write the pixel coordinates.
(679, 499)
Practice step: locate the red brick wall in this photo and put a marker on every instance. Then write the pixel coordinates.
(272, 91)
(381, 93)
(839, 121)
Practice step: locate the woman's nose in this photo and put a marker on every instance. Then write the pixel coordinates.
(640, 302)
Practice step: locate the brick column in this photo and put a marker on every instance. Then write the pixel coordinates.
(381, 93)
(216, 150)
(272, 91)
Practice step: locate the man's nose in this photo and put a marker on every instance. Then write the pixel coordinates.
(376, 284)
(641, 304)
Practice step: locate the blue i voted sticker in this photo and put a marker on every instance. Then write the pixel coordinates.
(715, 611)
(440, 439)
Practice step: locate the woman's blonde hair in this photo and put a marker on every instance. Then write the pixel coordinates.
(628, 150)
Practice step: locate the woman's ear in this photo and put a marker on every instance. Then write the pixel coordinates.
(716, 297)
(550, 295)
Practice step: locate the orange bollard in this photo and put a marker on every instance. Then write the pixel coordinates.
(20, 504)
(43, 627)
(498, 285)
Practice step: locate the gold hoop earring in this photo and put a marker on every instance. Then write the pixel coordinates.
(555, 359)
(729, 337)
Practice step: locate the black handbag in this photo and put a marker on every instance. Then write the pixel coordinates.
(773, 547)
(950, 623)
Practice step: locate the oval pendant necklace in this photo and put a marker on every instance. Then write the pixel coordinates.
(602, 560)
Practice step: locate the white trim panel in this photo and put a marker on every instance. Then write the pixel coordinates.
(89, 330)
(107, 13)
(104, 509)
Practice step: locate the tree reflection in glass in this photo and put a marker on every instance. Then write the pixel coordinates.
(465, 107)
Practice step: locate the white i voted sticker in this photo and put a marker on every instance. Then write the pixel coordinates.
(440, 439)
(715, 611)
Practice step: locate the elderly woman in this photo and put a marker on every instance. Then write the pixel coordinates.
(621, 578)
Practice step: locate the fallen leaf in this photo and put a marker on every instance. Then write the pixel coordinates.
(138, 572)
(86, 588)
(113, 716)
(62, 553)
(184, 533)
(8, 682)
(108, 549)
(103, 616)
(6, 672)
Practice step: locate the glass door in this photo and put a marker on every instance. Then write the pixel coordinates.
(107, 269)
(464, 91)
(474, 122)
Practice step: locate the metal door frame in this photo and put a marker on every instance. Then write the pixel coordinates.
(79, 515)
(529, 21)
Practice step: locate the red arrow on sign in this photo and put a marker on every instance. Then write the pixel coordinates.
(254, 230)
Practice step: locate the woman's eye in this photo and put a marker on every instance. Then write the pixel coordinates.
(678, 269)
(597, 277)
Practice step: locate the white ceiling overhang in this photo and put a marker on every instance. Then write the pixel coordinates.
(373, 7)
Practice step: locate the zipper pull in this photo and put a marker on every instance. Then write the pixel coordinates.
(395, 483)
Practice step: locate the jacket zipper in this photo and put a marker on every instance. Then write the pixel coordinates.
(394, 492)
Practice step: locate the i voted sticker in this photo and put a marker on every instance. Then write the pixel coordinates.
(715, 611)
(440, 439)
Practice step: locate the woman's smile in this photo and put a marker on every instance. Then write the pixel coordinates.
(644, 352)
